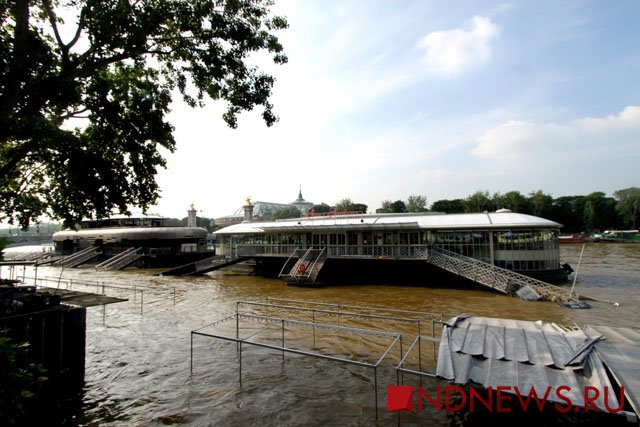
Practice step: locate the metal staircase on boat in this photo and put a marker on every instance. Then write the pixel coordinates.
(40, 258)
(303, 266)
(121, 260)
(29, 256)
(78, 258)
(496, 278)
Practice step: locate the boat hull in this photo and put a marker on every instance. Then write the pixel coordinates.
(389, 271)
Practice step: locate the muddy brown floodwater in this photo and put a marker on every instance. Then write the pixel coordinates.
(138, 355)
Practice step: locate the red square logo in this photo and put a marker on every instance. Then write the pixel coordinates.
(399, 398)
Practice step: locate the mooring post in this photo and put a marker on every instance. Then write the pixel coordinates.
(240, 363)
(375, 388)
(191, 356)
(141, 301)
(419, 349)
(282, 340)
(575, 276)
(313, 317)
(237, 329)
(398, 383)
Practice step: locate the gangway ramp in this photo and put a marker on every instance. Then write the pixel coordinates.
(26, 256)
(497, 278)
(121, 260)
(303, 267)
(203, 266)
(78, 258)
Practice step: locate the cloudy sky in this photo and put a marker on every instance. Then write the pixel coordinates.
(386, 99)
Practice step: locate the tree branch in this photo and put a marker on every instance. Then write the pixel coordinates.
(52, 20)
(17, 71)
(73, 114)
(17, 154)
(76, 36)
(88, 69)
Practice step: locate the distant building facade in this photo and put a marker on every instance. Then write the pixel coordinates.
(264, 211)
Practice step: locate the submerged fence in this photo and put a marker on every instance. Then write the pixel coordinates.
(311, 329)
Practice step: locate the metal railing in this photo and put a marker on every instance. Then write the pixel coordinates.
(287, 325)
(368, 251)
(291, 261)
(494, 277)
(306, 268)
(78, 258)
(122, 259)
(277, 323)
(140, 293)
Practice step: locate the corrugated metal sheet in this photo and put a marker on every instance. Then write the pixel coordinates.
(503, 352)
(620, 352)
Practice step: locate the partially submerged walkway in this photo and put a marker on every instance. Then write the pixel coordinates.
(201, 267)
(499, 279)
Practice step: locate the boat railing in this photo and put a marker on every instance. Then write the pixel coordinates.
(293, 258)
(367, 251)
(264, 249)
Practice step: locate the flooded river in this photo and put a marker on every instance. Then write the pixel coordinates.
(138, 352)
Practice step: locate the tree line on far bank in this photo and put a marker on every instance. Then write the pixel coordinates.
(590, 213)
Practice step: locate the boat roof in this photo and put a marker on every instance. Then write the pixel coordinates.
(426, 221)
(132, 233)
(123, 216)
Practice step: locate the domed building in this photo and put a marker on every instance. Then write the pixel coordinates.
(300, 203)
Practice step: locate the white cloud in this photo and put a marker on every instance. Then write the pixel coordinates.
(519, 141)
(627, 120)
(450, 52)
(516, 144)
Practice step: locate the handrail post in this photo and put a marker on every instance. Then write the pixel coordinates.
(375, 387)
(282, 340)
(240, 363)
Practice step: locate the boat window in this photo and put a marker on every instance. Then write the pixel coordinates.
(352, 238)
(337, 239)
